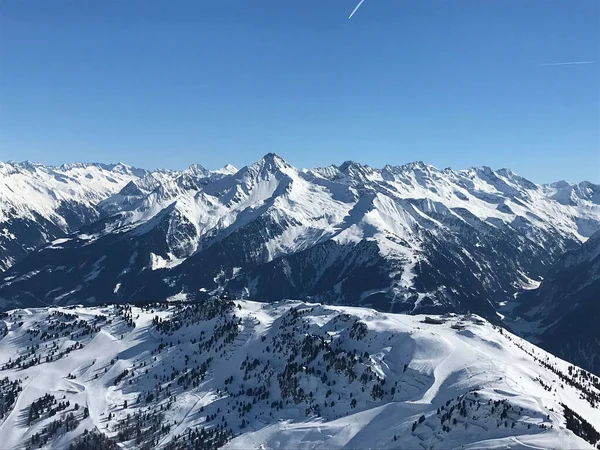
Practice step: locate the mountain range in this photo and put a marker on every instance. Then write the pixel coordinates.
(41, 203)
(410, 238)
(120, 330)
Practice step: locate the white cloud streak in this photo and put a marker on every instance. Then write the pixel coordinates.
(356, 9)
(567, 63)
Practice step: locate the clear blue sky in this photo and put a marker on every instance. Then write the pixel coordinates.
(169, 83)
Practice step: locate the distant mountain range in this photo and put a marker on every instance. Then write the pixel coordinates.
(408, 238)
(41, 203)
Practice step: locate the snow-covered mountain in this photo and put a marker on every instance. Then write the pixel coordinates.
(41, 203)
(246, 375)
(563, 313)
(407, 238)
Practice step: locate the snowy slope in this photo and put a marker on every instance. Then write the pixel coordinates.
(406, 238)
(562, 313)
(41, 203)
(248, 375)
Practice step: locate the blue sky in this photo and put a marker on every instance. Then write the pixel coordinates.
(455, 83)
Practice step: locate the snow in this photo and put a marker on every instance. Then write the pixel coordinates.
(28, 188)
(399, 208)
(430, 365)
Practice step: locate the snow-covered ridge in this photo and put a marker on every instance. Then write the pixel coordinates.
(39, 203)
(418, 238)
(248, 375)
(27, 188)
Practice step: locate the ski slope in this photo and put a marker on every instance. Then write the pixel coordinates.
(284, 375)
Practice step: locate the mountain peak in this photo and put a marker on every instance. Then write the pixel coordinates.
(562, 184)
(505, 172)
(197, 170)
(227, 169)
(350, 165)
(271, 162)
(24, 165)
(411, 166)
(516, 178)
(274, 158)
(418, 164)
(486, 170)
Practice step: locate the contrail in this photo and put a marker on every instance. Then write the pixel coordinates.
(568, 63)
(356, 9)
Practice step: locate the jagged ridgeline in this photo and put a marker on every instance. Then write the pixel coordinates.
(408, 238)
(219, 373)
